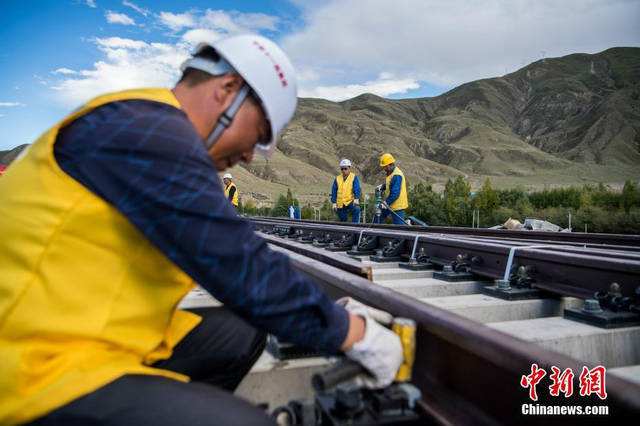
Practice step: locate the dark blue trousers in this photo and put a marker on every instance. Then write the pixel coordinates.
(343, 213)
(216, 354)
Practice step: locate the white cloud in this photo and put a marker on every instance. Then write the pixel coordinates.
(119, 43)
(257, 21)
(307, 75)
(446, 43)
(126, 64)
(222, 21)
(200, 35)
(64, 71)
(177, 21)
(11, 104)
(119, 18)
(40, 80)
(238, 22)
(384, 85)
(135, 7)
(91, 3)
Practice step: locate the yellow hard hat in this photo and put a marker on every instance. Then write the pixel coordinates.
(386, 159)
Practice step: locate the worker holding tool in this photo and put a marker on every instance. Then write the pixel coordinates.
(230, 189)
(345, 193)
(395, 191)
(339, 395)
(110, 218)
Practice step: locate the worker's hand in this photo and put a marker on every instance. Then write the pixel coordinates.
(384, 205)
(353, 306)
(379, 187)
(379, 351)
(334, 206)
(356, 202)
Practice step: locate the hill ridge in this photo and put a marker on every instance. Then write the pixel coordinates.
(566, 120)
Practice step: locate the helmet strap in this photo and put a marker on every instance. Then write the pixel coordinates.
(226, 118)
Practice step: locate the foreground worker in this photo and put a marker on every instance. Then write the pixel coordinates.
(108, 220)
(395, 191)
(230, 189)
(345, 193)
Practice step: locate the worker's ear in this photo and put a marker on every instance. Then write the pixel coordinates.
(231, 83)
(227, 87)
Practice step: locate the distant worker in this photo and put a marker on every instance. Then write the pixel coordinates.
(230, 189)
(394, 189)
(345, 193)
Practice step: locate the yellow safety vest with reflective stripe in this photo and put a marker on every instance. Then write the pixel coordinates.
(227, 188)
(344, 195)
(402, 202)
(84, 297)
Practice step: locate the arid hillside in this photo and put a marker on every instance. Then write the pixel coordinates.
(557, 121)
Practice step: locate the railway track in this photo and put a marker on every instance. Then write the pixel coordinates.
(620, 241)
(488, 305)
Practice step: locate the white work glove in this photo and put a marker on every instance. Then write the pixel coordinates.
(334, 206)
(353, 306)
(379, 187)
(379, 351)
(356, 202)
(384, 205)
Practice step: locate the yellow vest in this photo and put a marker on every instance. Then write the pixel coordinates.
(234, 201)
(402, 202)
(345, 190)
(84, 297)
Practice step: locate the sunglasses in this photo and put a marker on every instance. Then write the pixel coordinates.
(344, 168)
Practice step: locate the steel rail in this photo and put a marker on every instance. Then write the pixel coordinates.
(501, 238)
(349, 265)
(469, 373)
(566, 271)
(566, 237)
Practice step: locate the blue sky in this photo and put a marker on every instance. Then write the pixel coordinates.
(56, 54)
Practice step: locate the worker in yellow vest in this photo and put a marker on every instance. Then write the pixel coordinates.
(108, 221)
(345, 193)
(395, 199)
(230, 189)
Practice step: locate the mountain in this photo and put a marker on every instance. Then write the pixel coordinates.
(6, 157)
(557, 121)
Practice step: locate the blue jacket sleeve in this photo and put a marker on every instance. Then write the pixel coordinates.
(394, 189)
(146, 159)
(334, 191)
(356, 188)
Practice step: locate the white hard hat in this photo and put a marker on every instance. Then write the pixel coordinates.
(227, 176)
(269, 73)
(345, 163)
